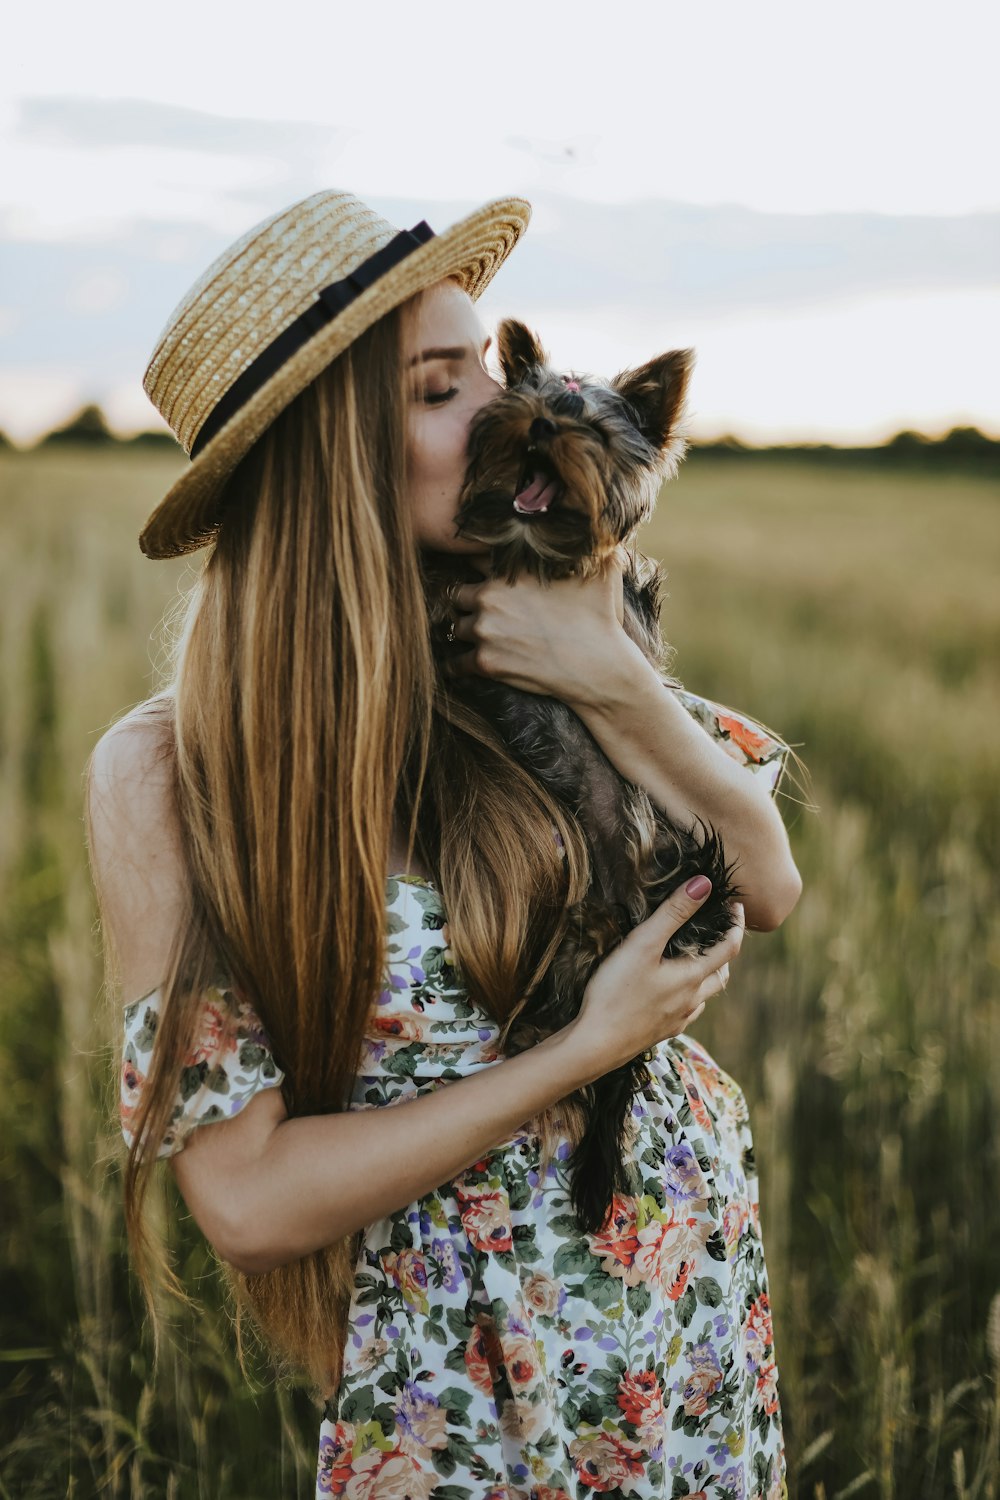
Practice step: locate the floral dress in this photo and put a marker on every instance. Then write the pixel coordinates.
(495, 1350)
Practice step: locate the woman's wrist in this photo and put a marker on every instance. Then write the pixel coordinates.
(572, 1058)
(615, 669)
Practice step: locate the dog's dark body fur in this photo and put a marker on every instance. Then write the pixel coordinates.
(607, 448)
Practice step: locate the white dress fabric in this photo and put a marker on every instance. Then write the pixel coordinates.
(495, 1349)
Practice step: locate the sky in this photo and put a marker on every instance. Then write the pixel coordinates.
(807, 197)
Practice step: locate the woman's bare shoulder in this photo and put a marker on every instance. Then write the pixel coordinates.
(135, 847)
(144, 731)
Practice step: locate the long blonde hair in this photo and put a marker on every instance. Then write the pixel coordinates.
(302, 712)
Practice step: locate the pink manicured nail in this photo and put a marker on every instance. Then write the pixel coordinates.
(698, 887)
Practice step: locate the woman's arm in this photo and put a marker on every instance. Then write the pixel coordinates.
(565, 639)
(652, 740)
(267, 1189)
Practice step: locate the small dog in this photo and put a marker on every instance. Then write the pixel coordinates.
(561, 472)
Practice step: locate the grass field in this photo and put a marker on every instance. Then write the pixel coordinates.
(857, 615)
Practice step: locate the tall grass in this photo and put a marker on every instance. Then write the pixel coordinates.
(855, 614)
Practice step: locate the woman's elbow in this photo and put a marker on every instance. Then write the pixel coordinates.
(225, 1204)
(244, 1237)
(770, 909)
(242, 1242)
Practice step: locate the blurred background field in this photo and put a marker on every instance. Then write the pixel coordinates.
(855, 611)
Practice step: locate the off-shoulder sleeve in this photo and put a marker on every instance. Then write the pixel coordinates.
(227, 1066)
(740, 736)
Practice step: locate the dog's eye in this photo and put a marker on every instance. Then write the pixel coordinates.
(434, 398)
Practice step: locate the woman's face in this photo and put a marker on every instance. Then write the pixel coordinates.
(446, 380)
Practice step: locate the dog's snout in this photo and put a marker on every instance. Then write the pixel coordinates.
(541, 427)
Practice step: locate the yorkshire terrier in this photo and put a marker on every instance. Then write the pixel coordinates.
(561, 472)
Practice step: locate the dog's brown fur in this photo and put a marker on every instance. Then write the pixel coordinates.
(607, 447)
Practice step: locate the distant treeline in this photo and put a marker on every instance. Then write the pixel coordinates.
(89, 429)
(961, 448)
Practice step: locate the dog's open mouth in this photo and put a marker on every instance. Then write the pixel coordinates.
(537, 489)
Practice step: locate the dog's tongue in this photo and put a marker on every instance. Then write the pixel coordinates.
(536, 495)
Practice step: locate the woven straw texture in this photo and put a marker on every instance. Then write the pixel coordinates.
(251, 293)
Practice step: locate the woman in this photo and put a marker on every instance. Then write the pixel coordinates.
(328, 884)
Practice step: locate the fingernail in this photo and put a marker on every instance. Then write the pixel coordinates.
(698, 887)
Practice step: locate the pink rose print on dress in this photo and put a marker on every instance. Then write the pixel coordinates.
(421, 1421)
(758, 1335)
(469, 1351)
(618, 1241)
(520, 1357)
(485, 1218)
(212, 1022)
(604, 1462)
(734, 1224)
(704, 1380)
(694, 1097)
(753, 745)
(371, 1354)
(668, 1253)
(640, 1399)
(483, 1355)
(131, 1091)
(390, 1476)
(406, 1269)
(543, 1295)
(405, 1028)
(336, 1462)
(524, 1423)
(766, 1393)
(684, 1180)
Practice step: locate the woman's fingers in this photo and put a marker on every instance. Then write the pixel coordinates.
(671, 914)
(462, 597)
(713, 985)
(720, 955)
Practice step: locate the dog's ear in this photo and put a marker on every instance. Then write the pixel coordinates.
(519, 349)
(656, 390)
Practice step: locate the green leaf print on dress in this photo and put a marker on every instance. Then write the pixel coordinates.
(518, 1356)
(495, 1351)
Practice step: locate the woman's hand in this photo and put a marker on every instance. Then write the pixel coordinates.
(563, 638)
(636, 997)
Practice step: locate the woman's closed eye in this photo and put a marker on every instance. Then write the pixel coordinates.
(434, 398)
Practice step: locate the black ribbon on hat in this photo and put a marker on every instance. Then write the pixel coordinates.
(330, 302)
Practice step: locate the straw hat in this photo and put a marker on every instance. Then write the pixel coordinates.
(272, 311)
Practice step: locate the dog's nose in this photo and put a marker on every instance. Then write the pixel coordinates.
(541, 427)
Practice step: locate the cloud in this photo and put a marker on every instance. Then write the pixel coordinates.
(603, 284)
(96, 293)
(102, 124)
(715, 261)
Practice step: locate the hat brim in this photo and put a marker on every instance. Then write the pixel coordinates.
(473, 250)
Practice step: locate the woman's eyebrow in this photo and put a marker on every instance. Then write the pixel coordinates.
(458, 352)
